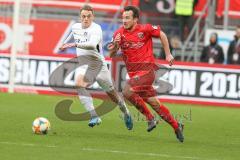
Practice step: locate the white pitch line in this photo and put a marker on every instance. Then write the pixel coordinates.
(146, 154)
(28, 144)
(114, 151)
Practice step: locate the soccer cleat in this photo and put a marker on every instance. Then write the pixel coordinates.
(179, 132)
(151, 125)
(94, 121)
(128, 121)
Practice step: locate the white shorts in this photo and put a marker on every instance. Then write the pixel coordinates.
(103, 78)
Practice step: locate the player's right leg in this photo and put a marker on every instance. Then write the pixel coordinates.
(86, 99)
(132, 92)
(139, 103)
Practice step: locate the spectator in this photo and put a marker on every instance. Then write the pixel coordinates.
(234, 49)
(213, 53)
(184, 10)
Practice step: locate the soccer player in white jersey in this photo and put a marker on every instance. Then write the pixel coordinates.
(88, 42)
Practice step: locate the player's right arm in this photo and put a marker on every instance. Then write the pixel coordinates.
(113, 49)
(65, 44)
(113, 46)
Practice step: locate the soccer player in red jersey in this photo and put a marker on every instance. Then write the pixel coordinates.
(135, 42)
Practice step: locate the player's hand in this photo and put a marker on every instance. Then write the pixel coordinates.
(67, 45)
(170, 59)
(112, 46)
(117, 38)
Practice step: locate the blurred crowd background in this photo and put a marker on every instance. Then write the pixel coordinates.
(198, 30)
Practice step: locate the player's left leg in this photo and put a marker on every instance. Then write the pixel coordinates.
(84, 96)
(87, 69)
(87, 101)
(165, 114)
(105, 81)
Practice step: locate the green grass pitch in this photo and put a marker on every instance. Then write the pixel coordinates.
(211, 133)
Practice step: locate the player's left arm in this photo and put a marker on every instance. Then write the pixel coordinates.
(165, 44)
(93, 41)
(155, 31)
(89, 45)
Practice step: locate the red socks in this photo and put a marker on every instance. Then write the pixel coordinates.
(139, 103)
(162, 111)
(166, 115)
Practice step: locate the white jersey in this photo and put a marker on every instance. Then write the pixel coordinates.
(90, 36)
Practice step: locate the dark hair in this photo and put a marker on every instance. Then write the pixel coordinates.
(86, 7)
(134, 9)
(238, 26)
(214, 34)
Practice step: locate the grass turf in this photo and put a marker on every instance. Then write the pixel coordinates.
(211, 133)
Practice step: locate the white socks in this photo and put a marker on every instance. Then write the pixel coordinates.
(87, 101)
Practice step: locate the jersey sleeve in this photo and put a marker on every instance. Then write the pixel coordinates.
(69, 38)
(153, 30)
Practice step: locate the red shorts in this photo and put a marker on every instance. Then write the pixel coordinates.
(142, 84)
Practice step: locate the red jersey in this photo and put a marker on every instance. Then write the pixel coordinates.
(137, 46)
